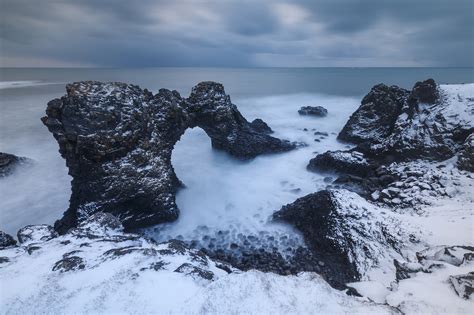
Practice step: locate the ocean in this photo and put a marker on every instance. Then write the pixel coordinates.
(222, 194)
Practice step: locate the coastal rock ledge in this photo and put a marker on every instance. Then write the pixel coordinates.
(117, 141)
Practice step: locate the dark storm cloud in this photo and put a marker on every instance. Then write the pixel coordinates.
(237, 33)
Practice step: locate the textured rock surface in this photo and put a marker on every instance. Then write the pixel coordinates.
(343, 231)
(433, 130)
(318, 111)
(350, 162)
(397, 130)
(117, 140)
(8, 163)
(375, 118)
(6, 240)
(430, 122)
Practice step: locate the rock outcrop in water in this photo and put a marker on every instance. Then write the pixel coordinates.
(317, 111)
(117, 141)
(9, 162)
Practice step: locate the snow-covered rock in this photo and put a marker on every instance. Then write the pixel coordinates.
(431, 122)
(35, 234)
(351, 162)
(97, 268)
(437, 283)
(347, 233)
(434, 131)
(375, 118)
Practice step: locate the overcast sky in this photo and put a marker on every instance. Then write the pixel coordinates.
(240, 33)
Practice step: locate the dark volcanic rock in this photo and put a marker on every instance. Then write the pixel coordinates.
(375, 118)
(260, 126)
(408, 127)
(117, 140)
(350, 162)
(424, 92)
(396, 125)
(343, 232)
(6, 240)
(8, 163)
(313, 216)
(318, 111)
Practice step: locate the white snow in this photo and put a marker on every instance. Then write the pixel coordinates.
(125, 283)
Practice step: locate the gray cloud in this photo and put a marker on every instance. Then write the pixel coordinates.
(121, 33)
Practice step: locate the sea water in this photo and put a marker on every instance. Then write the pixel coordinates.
(224, 198)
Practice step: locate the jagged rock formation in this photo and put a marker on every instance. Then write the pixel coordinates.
(430, 122)
(8, 163)
(394, 125)
(117, 141)
(6, 240)
(375, 119)
(343, 231)
(317, 111)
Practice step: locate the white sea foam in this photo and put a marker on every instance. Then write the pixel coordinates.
(224, 194)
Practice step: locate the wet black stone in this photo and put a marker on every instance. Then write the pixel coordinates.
(115, 135)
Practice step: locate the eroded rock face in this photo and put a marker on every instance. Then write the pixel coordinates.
(117, 141)
(343, 231)
(375, 118)
(430, 122)
(424, 92)
(8, 163)
(395, 125)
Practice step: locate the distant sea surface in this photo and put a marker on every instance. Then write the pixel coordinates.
(240, 82)
(221, 192)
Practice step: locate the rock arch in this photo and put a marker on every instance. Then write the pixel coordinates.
(117, 141)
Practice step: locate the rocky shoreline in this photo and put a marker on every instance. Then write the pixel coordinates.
(410, 149)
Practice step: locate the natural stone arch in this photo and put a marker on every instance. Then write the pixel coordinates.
(117, 141)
